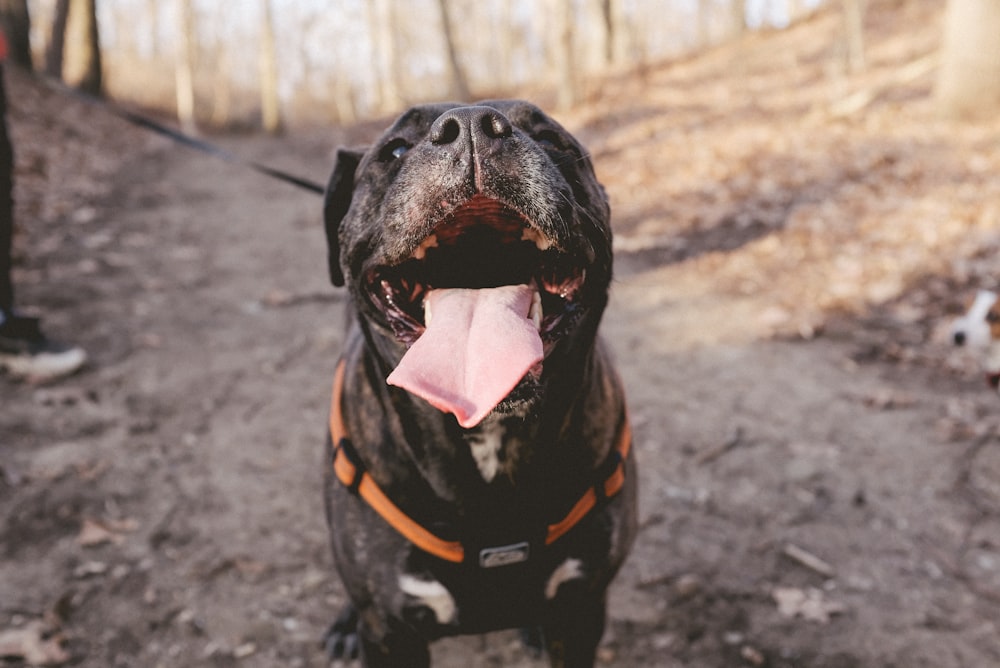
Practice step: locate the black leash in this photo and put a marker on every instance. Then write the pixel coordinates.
(179, 137)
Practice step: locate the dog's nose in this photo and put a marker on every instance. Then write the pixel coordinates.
(471, 124)
(959, 338)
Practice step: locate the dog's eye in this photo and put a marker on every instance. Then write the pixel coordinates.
(394, 150)
(993, 317)
(550, 141)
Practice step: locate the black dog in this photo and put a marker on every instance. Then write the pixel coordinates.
(488, 484)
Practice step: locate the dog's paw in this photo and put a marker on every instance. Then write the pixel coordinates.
(341, 640)
(534, 643)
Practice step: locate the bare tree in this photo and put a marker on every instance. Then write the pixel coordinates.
(16, 23)
(704, 22)
(57, 40)
(854, 34)
(344, 101)
(82, 64)
(794, 9)
(184, 66)
(222, 92)
(153, 13)
(609, 25)
(566, 85)
(505, 41)
(459, 84)
(968, 83)
(270, 104)
(737, 17)
(382, 28)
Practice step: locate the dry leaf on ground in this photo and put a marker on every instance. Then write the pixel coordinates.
(809, 604)
(99, 532)
(34, 645)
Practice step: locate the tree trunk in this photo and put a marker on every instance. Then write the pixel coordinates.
(459, 84)
(57, 40)
(506, 39)
(184, 68)
(270, 104)
(222, 93)
(566, 86)
(737, 17)
(16, 23)
(82, 65)
(382, 26)
(794, 9)
(609, 30)
(704, 23)
(153, 13)
(344, 101)
(854, 34)
(968, 83)
(622, 37)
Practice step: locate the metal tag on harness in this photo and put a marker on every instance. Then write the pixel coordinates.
(505, 555)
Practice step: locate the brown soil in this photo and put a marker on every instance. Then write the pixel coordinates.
(820, 471)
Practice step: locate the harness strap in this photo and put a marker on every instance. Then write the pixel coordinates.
(349, 469)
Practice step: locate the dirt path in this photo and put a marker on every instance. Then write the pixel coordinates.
(194, 441)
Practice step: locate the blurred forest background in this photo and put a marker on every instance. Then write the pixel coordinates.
(275, 64)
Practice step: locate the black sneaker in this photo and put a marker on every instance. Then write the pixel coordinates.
(26, 353)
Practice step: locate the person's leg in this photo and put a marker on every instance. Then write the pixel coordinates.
(6, 208)
(24, 350)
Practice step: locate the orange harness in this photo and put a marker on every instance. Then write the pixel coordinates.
(352, 474)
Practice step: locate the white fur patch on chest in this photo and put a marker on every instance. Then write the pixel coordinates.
(432, 594)
(571, 569)
(485, 444)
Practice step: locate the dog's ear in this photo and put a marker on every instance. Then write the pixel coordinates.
(336, 202)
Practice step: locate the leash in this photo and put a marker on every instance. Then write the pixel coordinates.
(178, 137)
(350, 471)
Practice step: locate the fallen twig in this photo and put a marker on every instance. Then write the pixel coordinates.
(809, 560)
(731, 443)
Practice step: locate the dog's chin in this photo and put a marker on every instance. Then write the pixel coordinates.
(522, 401)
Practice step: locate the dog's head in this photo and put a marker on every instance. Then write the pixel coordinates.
(979, 327)
(478, 196)
(468, 196)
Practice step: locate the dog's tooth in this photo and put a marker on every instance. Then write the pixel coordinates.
(429, 242)
(427, 313)
(571, 286)
(535, 312)
(541, 241)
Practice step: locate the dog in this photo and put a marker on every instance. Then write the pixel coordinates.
(481, 475)
(979, 328)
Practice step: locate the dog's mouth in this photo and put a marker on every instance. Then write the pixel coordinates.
(480, 302)
(482, 244)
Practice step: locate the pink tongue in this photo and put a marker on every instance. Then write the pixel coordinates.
(477, 347)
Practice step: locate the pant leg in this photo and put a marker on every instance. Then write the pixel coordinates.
(6, 205)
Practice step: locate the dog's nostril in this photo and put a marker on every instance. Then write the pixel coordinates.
(959, 338)
(446, 131)
(495, 126)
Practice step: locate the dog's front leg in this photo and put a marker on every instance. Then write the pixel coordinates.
(394, 646)
(574, 625)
